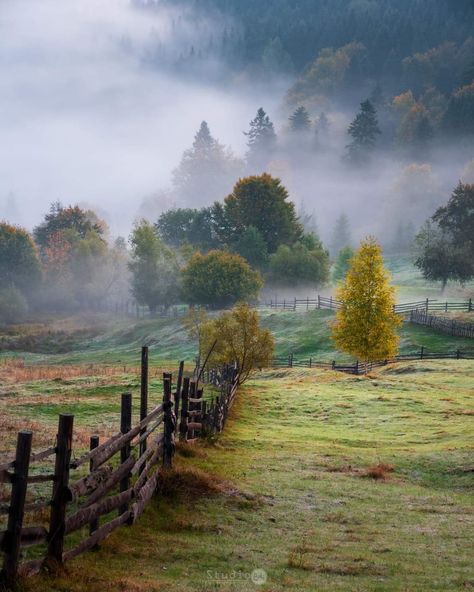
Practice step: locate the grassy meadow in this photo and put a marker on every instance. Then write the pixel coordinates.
(326, 481)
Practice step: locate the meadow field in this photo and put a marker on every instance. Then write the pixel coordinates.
(323, 480)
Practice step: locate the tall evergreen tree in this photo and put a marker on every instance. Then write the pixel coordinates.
(261, 139)
(300, 120)
(341, 234)
(363, 131)
(206, 170)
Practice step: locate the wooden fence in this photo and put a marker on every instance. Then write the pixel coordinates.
(442, 324)
(108, 486)
(403, 308)
(362, 368)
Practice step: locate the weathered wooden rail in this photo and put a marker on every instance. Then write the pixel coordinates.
(446, 325)
(403, 308)
(107, 486)
(357, 367)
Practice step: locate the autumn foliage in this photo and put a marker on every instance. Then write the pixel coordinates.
(366, 325)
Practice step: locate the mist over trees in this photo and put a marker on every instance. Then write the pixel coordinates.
(445, 244)
(218, 118)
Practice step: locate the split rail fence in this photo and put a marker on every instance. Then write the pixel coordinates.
(362, 368)
(443, 324)
(108, 486)
(322, 302)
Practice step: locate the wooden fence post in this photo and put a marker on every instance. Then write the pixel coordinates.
(144, 394)
(12, 543)
(422, 351)
(319, 301)
(169, 424)
(427, 304)
(125, 426)
(177, 396)
(183, 426)
(94, 524)
(469, 308)
(61, 494)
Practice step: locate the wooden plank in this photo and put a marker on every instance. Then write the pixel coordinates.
(40, 478)
(149, 452)
(145, 495)
(37, 456)
(33, 535)
(91, 513)
(113, 479)
(90, 482)
(99, 535)
(106, 450)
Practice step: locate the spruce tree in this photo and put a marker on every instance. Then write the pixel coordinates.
(206, 170)
(363, 131)
(341, 235)
(300, 120)
(261, 139)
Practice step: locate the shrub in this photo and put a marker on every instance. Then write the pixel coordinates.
(305, 262)
(238, 337)
(219, 279)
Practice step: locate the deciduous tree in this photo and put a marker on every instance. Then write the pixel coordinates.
(155, 271)
(366, 325)
(239, 337)
(219, 279)
(262, 202)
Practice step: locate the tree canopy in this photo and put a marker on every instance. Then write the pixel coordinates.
(19, 262)
(219, 279)
(154, 267)
(366, 324)
(262, 202)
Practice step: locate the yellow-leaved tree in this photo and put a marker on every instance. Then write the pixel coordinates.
(366, 325)
(238, 337)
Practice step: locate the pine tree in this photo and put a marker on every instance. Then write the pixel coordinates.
(300, 120)
(364, 131)
(261, 139)
(366, 323)
(342, 264)
(207, 170)
(341, 235)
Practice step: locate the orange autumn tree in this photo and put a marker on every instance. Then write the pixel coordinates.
(366, 324)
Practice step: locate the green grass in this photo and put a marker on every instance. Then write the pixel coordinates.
(305, 334)
(411, 285)
(297, 502)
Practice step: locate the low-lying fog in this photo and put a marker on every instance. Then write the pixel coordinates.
(93, 111)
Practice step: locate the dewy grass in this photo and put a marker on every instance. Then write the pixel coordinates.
(305, 334)
(300, 501)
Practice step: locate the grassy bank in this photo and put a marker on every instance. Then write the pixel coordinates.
(106, 340)
(325, 481)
